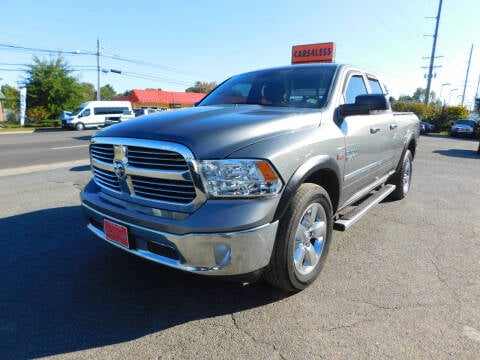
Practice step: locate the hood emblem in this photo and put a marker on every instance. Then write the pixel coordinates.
(119, 169)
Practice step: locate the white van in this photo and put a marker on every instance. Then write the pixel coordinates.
(94, 114)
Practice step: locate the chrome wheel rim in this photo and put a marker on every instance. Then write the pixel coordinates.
(407, 172)
(310, 239)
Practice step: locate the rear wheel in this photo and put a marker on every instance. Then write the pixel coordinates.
(303, 239)
(403, 178)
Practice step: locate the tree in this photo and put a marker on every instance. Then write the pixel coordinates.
(51, 87)
(87, 93)
(107, 92)
(202, 87)
(420, 93)
(126, 93)
(13, 97)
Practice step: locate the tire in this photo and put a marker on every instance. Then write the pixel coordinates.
(403, 178)
(79, 126)
(302, 242)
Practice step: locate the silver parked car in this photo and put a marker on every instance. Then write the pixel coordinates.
(464, 127)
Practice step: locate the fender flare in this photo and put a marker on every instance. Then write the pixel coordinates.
(307, 169)
(408, 140)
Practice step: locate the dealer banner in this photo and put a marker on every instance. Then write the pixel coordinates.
(313, 53)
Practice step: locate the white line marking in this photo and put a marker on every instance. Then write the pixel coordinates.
(68, 147)
(34, 168)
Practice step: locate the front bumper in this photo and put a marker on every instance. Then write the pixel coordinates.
(462, 132)
(67, 125)
(219, 239)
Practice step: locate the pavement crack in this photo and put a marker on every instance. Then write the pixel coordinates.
(439, 273)
(347, 326)
(239, 328)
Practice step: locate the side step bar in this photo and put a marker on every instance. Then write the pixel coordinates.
(350, 218)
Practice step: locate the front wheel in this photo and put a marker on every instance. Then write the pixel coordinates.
(80, 126)
(403, 177)
(303, 239)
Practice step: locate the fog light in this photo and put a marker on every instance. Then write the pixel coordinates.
(223, 255)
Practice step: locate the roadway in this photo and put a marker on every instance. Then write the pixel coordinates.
(43, 149)
(403, 283)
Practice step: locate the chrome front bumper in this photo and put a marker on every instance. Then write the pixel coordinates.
(221, 254)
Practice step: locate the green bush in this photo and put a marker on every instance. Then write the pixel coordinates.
(43, 124)
(35, 125)
(441, 117)
(37, 113)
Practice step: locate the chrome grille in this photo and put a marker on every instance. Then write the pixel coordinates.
(155, 159)
(146, 169)
(102, 152)
(163, 190)
(106, 178)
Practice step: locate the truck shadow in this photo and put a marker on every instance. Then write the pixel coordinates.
(83, 138)
(459, 153)
(64, 290)
(81, 168)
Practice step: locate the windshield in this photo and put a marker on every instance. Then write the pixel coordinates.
(304, 87)
(77, 111)
(465, 122)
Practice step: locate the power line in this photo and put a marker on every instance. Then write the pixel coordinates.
(102, 54)
(392, 30)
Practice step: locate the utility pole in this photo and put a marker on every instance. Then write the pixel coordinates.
(98, 69)
(466, 76)
(432, 57)
(478, 84)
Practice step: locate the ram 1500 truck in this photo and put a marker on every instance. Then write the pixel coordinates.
(253, 179)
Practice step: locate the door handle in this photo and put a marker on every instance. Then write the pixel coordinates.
(393, 126)
(374, 130)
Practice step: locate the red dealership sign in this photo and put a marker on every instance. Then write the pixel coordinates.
(324, 52)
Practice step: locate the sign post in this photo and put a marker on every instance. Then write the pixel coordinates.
(23, 104)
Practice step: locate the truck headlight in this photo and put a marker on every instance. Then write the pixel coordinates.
(239, 178)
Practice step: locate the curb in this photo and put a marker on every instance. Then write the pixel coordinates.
(16, 132)
(32, 130)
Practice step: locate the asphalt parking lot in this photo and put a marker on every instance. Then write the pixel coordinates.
(403, 283)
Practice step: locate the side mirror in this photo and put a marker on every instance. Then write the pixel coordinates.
(364, 104)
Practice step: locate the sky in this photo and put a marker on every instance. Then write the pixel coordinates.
(170, 45)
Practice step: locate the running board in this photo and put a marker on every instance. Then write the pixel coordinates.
(350, 218)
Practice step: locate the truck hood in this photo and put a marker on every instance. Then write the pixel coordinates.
(214, 132)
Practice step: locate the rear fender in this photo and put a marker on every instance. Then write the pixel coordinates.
(410, 144)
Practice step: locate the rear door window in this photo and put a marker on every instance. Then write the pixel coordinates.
(375, 86)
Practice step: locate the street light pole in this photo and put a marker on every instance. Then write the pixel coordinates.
(441, 89)
(466, 76)
(98, 69)
(450, 95)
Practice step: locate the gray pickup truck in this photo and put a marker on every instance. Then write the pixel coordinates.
(254, 179)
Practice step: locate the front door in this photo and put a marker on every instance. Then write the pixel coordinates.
(368, 147)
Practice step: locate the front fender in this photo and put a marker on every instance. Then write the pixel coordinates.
(328, 177)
